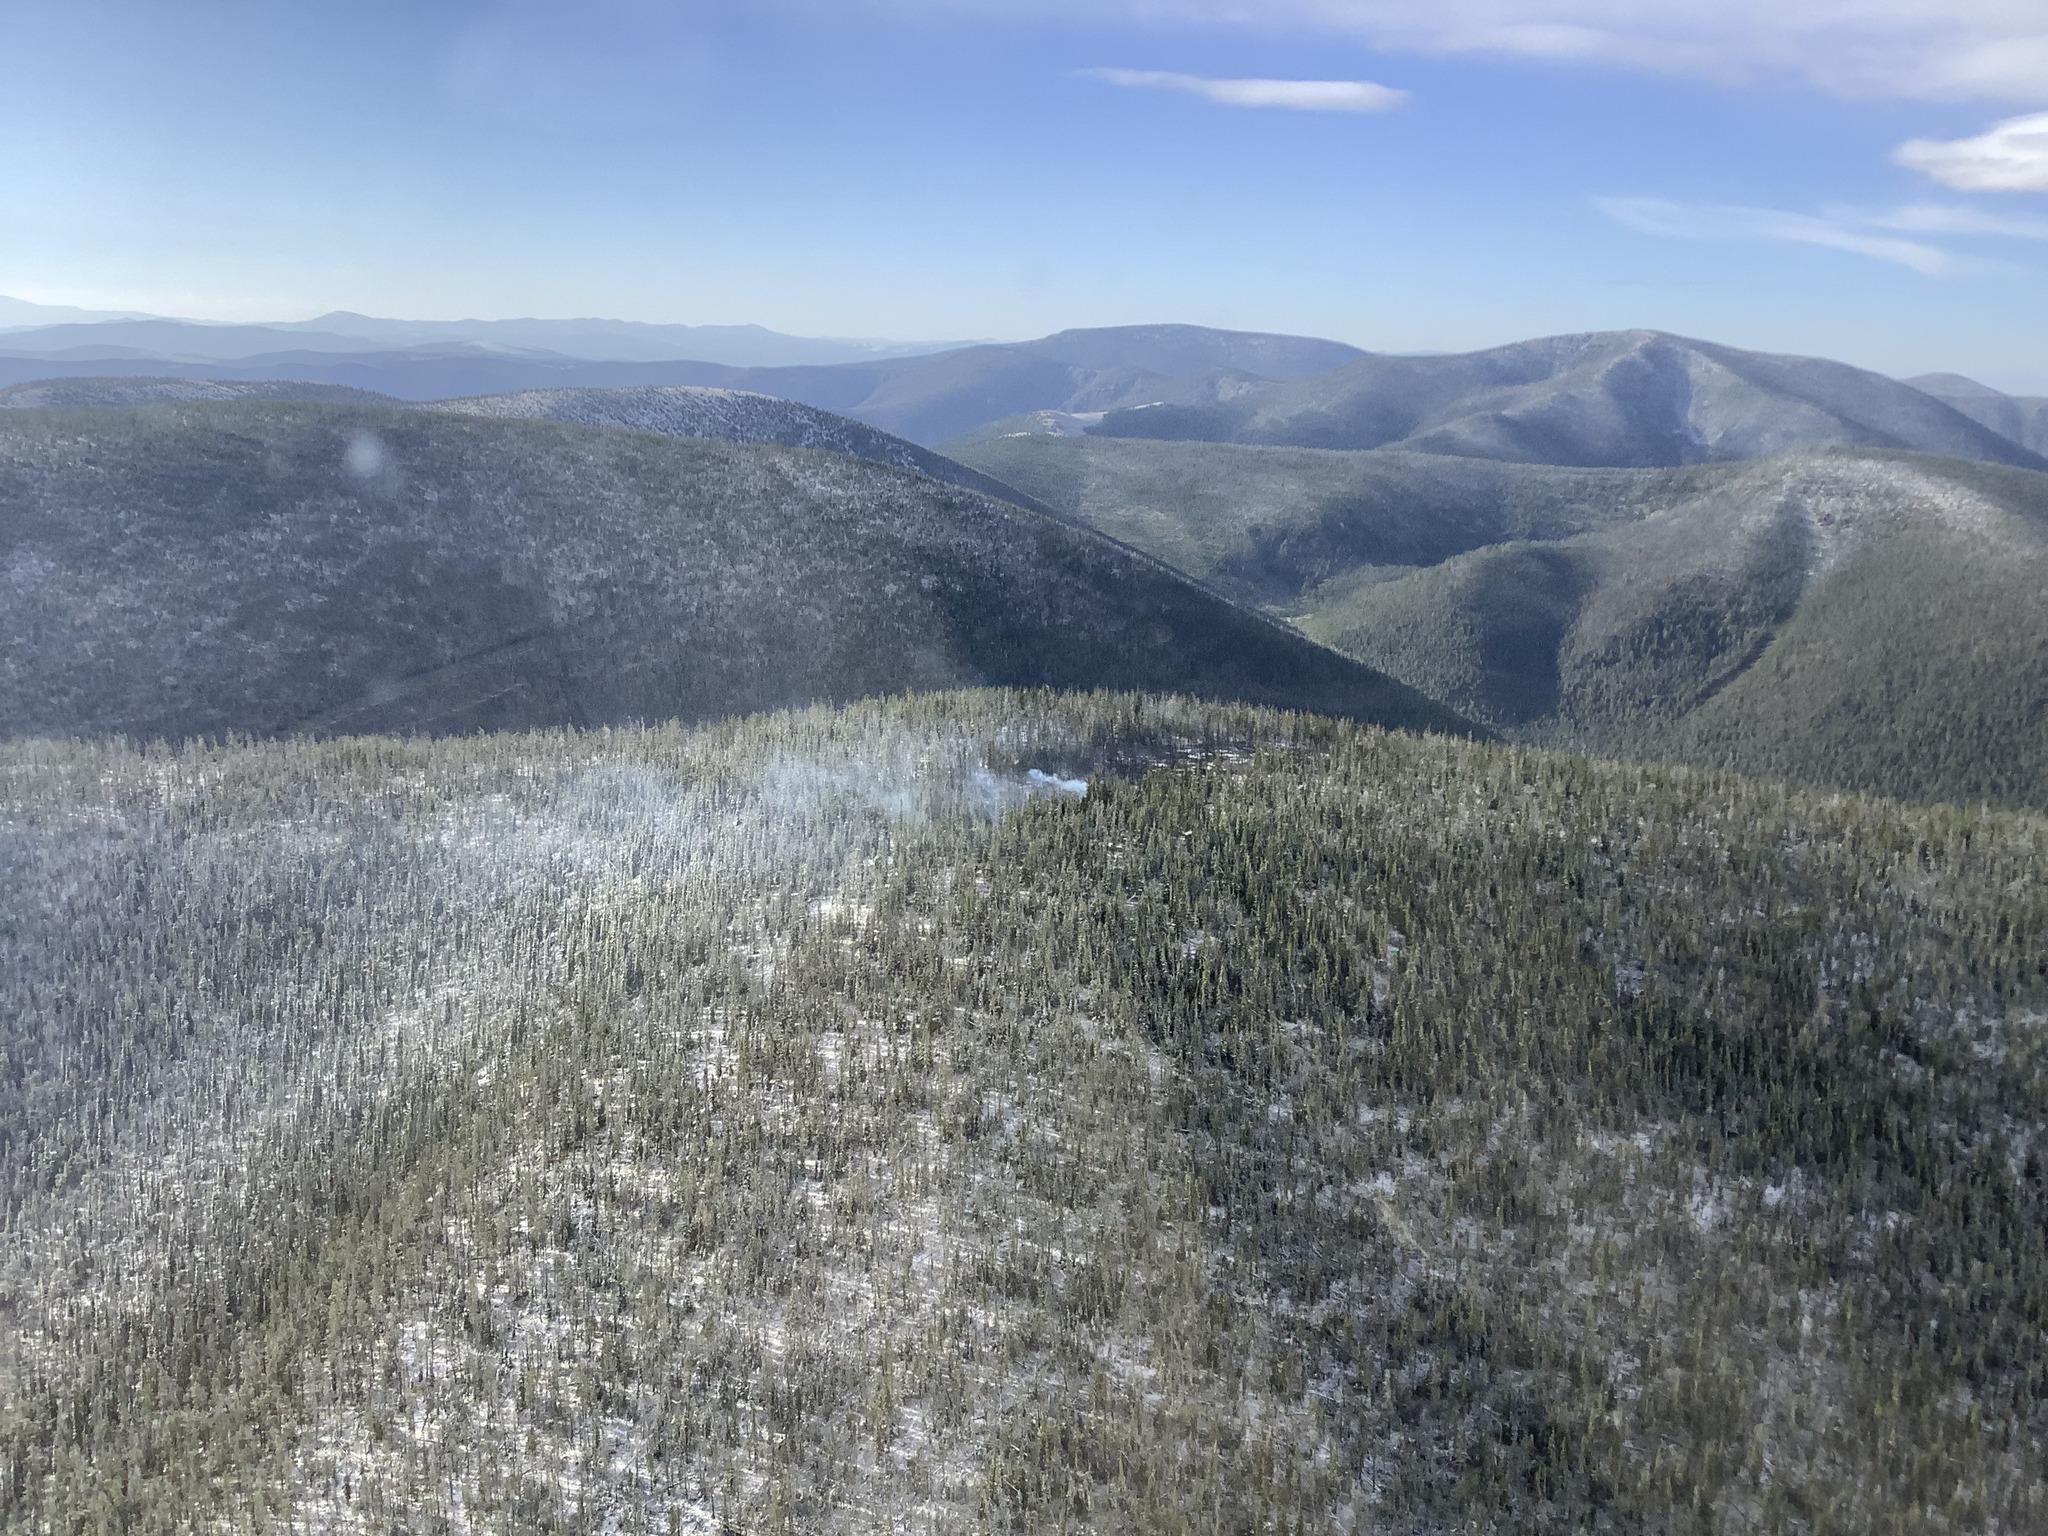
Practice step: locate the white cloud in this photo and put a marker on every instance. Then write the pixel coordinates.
(1987, 50)
(2012, 157)
(1874, 232)
(1293, 95)
(1724, 221)
(1950, 219)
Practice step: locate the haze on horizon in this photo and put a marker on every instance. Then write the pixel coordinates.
(1860, 179)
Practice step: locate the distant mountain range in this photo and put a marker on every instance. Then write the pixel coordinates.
(101, 392)
(61, 332)
(927, 398)
(1633, 399)
(263, 568)
(600, 340)
(675, 410)
(16, 314)
(1621, 399)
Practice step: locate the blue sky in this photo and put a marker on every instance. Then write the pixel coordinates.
(1865, 179)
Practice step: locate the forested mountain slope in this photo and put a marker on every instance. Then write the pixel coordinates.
(928, 399)
(259, 569)
(1869, 620)
(2022, 418)
(1270, 525)
(1620, 399)
(616, 340)
(934, 399)
(345, 333)
(1866, 621)
(115, 390)
(799, 1124)
(726, 415)
(1624, 399)
(169, 340)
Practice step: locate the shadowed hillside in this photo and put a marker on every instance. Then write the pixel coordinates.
(2022, 418)
(268, 568)
(726, 415)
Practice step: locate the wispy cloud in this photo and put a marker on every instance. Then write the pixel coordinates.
(2011, 157)
(1953, 50)
(1290, 95)
(1726, 221)
(1949, 219)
